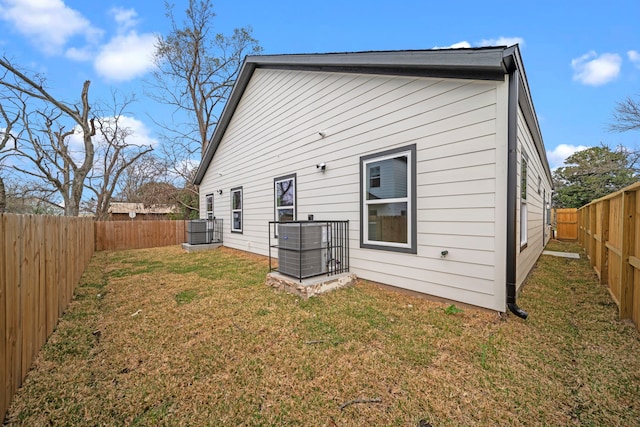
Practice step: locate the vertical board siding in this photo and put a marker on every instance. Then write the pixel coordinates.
(566, 223)
(456, 127)
(120, 235)
(609, 231)
(528, 256)
(41, 261)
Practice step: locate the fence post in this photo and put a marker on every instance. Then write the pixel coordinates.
(592, 227)
(579, 219)
(4, 396)
(628, 243)
(604, 238)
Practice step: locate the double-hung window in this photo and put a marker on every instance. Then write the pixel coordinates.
(285, 198)
(524, 218)
(236, 210)
(388, 200)
(209, 203)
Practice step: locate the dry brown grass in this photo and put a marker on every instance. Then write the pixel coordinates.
(161, 337)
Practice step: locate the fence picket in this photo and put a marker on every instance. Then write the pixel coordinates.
(609, 230)
(42, 259)
(120, 235)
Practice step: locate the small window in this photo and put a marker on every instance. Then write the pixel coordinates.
(209, 203)
(540, 185)
(523, 179)
(524, 218)
(374, 177)
(388, 210)
(285, 198)
(236, 210)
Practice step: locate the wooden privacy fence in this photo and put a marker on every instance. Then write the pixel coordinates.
(609, 231)
(41, 261)
(119, 235)
(566, 224)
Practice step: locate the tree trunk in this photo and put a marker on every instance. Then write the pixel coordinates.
(3, 197)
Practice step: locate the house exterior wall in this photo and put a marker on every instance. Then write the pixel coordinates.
(538, 187)
(459, 128)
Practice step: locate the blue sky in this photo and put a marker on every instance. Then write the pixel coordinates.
(581, 57)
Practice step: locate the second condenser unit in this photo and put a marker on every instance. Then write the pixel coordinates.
(302, 249)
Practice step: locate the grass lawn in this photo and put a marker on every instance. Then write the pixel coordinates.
(161, 337)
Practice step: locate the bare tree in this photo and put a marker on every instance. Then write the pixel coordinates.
(45, 134)
(6, 136)
(136, 178)
(66, 148)
(196, 69)
(114, 155)
(626, 116)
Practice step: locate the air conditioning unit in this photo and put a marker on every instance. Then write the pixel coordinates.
(197, 232)
(302, 249)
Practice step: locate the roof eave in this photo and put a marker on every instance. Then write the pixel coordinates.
(482, 63)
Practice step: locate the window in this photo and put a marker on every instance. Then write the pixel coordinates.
(285, 198)
(388, 200)
(540, 185)
(209, 203)
(374, 177)
(236, 210)
(523, 203)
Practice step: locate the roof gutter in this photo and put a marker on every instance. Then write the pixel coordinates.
(512, 190)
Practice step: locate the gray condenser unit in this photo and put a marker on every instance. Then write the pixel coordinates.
(302, 249)
(197, 232)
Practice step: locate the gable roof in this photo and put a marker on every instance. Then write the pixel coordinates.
(486, 63)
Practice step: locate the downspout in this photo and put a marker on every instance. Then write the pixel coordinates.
(512, 191)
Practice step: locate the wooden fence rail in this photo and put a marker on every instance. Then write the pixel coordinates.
(119, 235)
(41, 261)
(609, 231)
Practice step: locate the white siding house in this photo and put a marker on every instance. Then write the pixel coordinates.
(435, 140)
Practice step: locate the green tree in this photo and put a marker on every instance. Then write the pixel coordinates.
(593, 173)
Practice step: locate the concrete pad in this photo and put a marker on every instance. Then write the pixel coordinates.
(311, 286)
(197, 248)
(562, 254)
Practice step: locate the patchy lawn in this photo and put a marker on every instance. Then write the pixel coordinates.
(161, 337)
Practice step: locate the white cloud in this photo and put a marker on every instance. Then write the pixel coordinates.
(49, 25)
(557, 156)
(79, 54)
(57, 29)
(593, 70)
(126, 56)
(501, 41)
(634, 56)
(139, 134)
(459, 45)
(125, 18)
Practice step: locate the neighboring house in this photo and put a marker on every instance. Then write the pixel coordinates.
(444, 143)
(120, 211)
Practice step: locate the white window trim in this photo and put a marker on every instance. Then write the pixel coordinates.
(209, 213)
(366, 203)
(233, 229)
(275, 196)
(524, 210)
